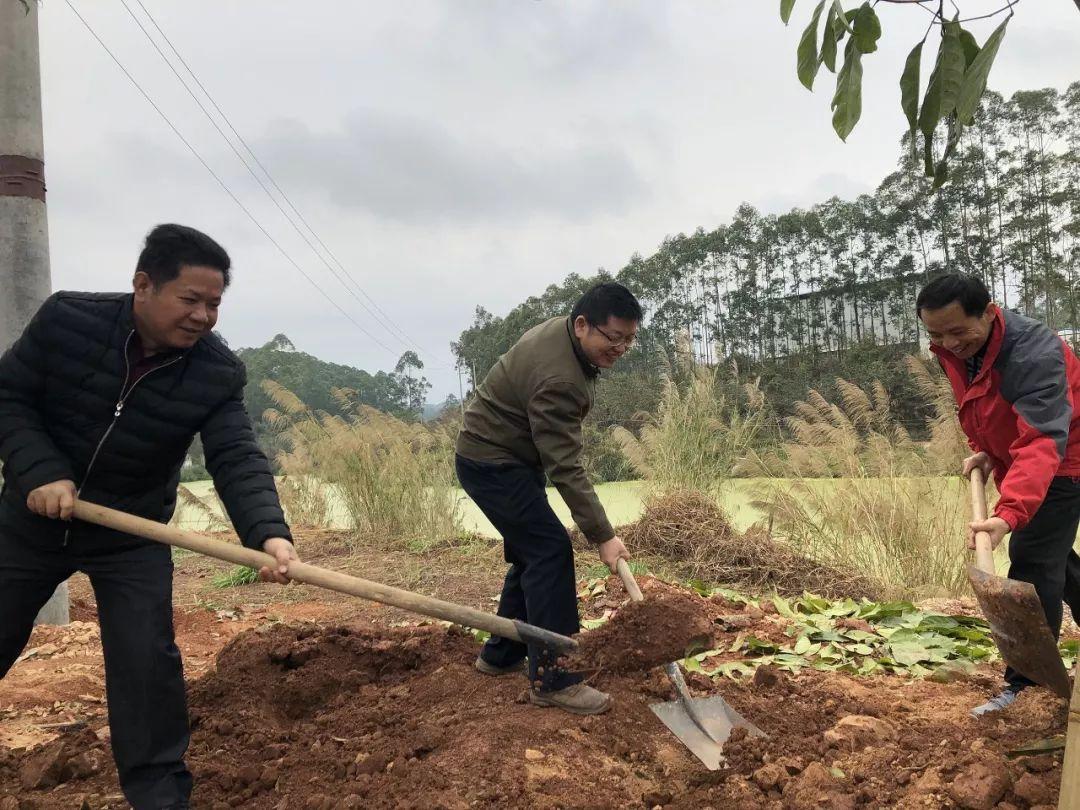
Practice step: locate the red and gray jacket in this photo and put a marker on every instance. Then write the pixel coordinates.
(1020, 411)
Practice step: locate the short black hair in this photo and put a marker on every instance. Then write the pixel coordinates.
(605, 301)
(170, 247)
(966, 290)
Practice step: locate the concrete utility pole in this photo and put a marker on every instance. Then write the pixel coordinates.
(24, 231)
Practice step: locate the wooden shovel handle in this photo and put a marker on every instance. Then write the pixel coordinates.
(984, 551)
(324, 578)
(628, 581)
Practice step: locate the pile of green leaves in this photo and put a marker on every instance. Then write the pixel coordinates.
(902, 640)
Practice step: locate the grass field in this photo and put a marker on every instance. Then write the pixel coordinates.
(738, 497)
(622, 500)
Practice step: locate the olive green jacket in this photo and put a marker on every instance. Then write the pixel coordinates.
(529, 410)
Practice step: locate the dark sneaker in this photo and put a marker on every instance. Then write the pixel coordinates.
(490, 669)
(576, 699)
(1000, 701)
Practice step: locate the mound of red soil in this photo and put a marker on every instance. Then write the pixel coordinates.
(344, 717)
(336, 717)
(666, 626)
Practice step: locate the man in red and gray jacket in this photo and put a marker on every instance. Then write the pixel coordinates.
(1016, 383)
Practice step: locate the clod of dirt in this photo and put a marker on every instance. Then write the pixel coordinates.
(950, 672)
(75, 757)
(666, 626)
(754, 612)
(856, 732)
(42, 769)
(737, 794)
(817, 788)
(771, 777)
(1041, 707)
(731, 624)
(656, 799)
(770, 679)
(981, 785)
(1039, 764)
(1031, 789)
(930, 783)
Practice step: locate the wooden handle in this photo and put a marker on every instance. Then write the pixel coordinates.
(628, 581)
(984, 550)
(323, 578)
(1069, 798)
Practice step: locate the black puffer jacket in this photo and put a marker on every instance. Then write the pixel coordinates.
(60, 384)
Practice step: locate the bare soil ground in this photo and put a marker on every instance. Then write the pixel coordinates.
(301, 699)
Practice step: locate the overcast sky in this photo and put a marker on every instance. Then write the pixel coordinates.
(458, 153)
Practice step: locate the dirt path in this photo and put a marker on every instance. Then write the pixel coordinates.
(304, 703)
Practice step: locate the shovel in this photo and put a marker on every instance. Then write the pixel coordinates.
(702, 724)
(1017, 621)
(324, 578)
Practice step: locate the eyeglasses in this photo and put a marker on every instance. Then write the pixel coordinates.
(626, 341)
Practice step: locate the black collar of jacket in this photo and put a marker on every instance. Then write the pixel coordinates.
(591, 371)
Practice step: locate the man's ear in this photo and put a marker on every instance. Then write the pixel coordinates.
(142, 285)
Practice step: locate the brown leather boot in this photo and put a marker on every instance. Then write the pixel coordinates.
(576, 699)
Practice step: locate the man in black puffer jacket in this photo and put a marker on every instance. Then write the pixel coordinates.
(100, 398)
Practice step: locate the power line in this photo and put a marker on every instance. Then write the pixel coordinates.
(266, 171)
(221, 182)
(235, 151)
(376, 312)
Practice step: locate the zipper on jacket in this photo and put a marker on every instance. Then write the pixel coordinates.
(125, 392)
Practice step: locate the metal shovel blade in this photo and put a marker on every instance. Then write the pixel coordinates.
(719, 720)
(1019, 627)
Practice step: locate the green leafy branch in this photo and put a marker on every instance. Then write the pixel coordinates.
(954, 88)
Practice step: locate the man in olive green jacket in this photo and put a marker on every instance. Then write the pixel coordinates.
(525, 421)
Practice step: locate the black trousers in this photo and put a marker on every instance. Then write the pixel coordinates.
(1042, 554)
(540, 587)
(144, 680)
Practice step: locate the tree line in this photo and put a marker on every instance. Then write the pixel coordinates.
(804, 296)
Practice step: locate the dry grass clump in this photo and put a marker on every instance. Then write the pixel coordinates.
(948, 445)
(702, 430)
(858, 435)
(395, 479)
(690, 532)
(889, 513)
(906, 533)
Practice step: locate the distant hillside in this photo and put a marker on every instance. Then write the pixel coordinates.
(398, 392)
(313, 379)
